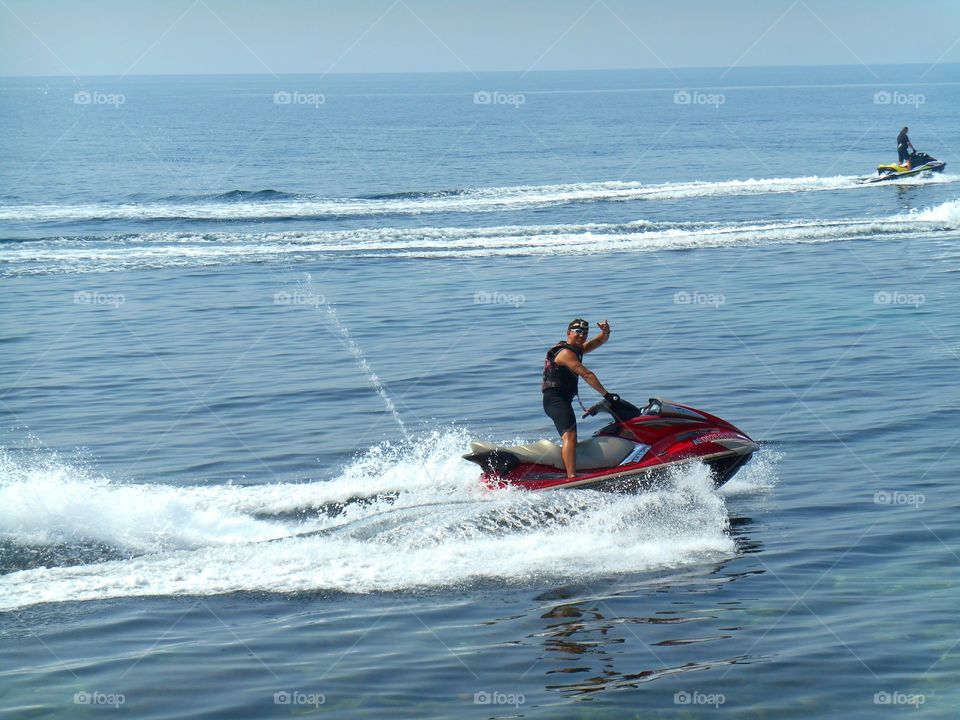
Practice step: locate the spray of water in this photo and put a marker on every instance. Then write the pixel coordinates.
(347, 341)
(422, 520)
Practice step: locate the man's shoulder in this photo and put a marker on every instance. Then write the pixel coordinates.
(566, 350)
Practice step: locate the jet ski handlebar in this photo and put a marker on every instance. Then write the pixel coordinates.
(594, 409)
(620, 409)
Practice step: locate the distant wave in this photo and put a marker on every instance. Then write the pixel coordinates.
(254, 195)
(241, 205)
(415, 194)
(266, 195)
(188, 249)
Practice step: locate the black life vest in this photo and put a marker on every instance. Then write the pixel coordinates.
(557, 377)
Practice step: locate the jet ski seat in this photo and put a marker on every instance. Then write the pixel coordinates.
(592, 454)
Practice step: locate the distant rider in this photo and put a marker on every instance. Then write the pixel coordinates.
(561, 371)
(903, 142)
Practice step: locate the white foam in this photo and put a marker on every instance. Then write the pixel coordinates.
(45, 501)
(758, 477)
(492, 199)
(947, 214)
(426, 523)
(171, 249)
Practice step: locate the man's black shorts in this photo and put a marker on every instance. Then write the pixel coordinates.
(559, 408)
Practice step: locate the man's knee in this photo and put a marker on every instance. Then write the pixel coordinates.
(569, 436)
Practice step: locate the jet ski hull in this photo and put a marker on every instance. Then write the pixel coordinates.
(628, 479)
(896, 172)
(644, 449)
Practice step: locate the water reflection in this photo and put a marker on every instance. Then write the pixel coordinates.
(612, 635)
(909, 195)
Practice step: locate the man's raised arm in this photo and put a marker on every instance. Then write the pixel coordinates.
(599, 339)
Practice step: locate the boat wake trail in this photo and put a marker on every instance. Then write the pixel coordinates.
(192, 249)
(395, 519)
(240, 205)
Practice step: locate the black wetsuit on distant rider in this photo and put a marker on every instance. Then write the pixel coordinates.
(903, 146)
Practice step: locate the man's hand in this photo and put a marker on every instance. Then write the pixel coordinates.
(600, 339)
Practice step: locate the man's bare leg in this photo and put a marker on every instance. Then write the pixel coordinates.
(568, 451)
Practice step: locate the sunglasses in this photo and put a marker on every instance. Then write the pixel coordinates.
(580, 330)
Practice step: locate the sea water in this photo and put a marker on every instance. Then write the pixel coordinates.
(245, 343)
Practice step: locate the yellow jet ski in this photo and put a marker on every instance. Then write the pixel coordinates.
(917, 164)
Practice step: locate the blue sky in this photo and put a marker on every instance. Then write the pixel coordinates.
(121, 37)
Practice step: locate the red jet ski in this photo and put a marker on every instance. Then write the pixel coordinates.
(628, 455)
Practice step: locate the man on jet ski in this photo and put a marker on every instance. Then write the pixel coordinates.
(561, 372)
(903, 142)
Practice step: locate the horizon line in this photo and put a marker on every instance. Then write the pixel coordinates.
(482, 72)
